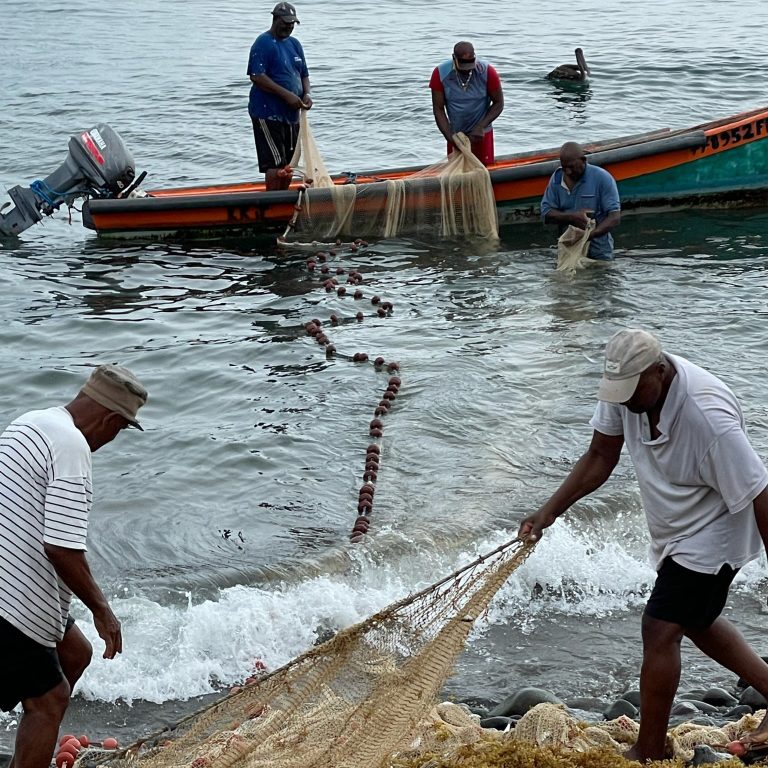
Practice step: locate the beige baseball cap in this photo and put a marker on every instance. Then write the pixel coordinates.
(627, 354)
(118, 389)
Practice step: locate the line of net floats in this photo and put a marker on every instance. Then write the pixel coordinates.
(319, 331)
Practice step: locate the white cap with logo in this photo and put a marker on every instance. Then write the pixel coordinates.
(627, 354)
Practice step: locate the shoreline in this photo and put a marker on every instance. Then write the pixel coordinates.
(474, 728)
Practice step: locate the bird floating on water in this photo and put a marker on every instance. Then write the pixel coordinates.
(573, 72)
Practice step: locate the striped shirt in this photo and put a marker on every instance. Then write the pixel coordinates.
(45, 498)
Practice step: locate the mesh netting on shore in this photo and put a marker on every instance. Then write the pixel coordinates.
(349, 703)
(549, 736)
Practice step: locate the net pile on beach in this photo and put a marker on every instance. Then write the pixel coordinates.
(451, 198)
(349, 703)
(549, 736)
(367, 699)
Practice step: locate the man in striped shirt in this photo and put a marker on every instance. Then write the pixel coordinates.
(45, 500)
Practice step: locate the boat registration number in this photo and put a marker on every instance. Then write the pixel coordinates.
(754, 129)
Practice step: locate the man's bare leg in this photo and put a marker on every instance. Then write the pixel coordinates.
(45, 713)
(723, 643)
(274, 182)
(75, 652)
(659, 678)
(39, 728)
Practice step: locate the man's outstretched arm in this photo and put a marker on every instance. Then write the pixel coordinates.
(589, 473)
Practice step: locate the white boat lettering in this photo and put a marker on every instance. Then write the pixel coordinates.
(96, 136)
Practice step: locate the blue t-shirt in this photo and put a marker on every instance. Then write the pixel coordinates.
(595, 191)
(283, 62)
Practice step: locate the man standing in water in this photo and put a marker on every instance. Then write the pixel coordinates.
(280, 88)
(45, 501)
(705, 495)
(467, 98)
(576, 191)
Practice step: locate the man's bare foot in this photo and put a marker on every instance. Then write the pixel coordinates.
(756, 738)
(632, 755)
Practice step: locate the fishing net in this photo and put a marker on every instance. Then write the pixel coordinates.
(307, 161)
(451, 198)
(348, 703)
(573, 247)
(549, 736)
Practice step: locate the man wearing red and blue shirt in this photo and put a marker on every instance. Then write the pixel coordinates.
(577, 191)
(467, 98)
(280, 88)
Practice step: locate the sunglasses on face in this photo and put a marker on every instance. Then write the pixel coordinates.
(459, 60)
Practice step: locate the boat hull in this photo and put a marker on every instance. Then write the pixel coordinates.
(721, 164)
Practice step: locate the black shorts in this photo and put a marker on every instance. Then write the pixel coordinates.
(27, 669)
(275, 142)
(689, 598)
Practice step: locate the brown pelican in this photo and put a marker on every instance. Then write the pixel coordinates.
(577, 71)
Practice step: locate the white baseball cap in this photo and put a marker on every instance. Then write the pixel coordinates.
(627, 354)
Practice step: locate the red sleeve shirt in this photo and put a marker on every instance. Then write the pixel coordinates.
(494, 81)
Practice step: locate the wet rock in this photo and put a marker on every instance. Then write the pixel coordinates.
(587, 704)
(737, 712)
(704, 754)
(696, 693)
(324, 634)
(519, 703)
(478, 705)
(702, 706)
(753, 698)
(719, 697)
(685, 708)
(499, 723)
(621, 707)
(693, 693)
(632, 696)
(703, 720)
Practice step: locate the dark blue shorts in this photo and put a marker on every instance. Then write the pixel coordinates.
(689, 598)
(27, 669)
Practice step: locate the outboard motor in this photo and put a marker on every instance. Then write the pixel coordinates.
(98, 165)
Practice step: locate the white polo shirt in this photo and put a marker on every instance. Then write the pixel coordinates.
(45, 497)
(699, 477)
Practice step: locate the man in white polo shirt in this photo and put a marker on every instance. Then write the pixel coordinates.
(45, 500)
(705, 495)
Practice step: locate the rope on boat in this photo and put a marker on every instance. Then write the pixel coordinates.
(296, 211)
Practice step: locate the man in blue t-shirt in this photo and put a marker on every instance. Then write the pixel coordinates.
(577, 192)
(280, 88)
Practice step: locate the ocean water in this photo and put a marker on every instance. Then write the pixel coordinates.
(221, 533)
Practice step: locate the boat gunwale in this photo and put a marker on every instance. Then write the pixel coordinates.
(263, 199)
(259, 208)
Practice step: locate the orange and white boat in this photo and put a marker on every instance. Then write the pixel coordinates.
(719, 164)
